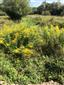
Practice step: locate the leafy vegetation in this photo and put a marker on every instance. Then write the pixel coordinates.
(55, 8)
(15, 8)
(31, 54)
(32, 49)
(44, 20)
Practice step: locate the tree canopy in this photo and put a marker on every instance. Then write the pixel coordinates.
(16, 8)
(55, 8)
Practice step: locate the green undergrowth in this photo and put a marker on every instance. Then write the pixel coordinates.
(22, 71)
(30, 53)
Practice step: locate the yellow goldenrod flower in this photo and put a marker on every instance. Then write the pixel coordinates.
(30, 45)
(27, 52)
(17, 50)
(1, 41)
(14, 41)
(57, 31)
(7, 44)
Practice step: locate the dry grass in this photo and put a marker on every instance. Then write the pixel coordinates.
(47, 83)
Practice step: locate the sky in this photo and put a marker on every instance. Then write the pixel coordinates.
(1, 1)
(35, 3)
(38, 2)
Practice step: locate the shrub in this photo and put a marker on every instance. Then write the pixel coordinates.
(62, 13)
(16, 8)
(47, 40)
(32, 54)
(7, 70)
(46, 13)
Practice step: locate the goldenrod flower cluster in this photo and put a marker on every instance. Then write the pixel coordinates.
(24, 40)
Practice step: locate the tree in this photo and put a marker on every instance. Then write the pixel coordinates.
(50, 8)
(56, 8)
(16, 8)
(43, 8)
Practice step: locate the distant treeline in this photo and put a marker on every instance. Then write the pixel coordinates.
(55, 8)
(18, 8)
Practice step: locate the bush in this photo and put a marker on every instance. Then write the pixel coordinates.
(62, 13)
(48, 41)
(7, 70)
(26, 47)
(46, 13)
(15, 9)
(20, 70)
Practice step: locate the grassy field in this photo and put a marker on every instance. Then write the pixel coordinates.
(47, 20)
(4, 19)
(32, 50)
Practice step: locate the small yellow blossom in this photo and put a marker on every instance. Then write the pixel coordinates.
(17, 50)
(27, 52)
(16, 34)
(57, 31)
(30, 45)
(1, 41)
(26, 32)
(14, 41)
